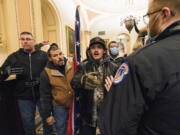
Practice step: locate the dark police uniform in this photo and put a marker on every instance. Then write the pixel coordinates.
(145, 96)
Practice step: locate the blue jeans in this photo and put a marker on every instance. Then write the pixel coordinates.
(60, 116)
(28, 109)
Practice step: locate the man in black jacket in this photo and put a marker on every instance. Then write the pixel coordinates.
(89, 82)
(32, 61)
(144, 97)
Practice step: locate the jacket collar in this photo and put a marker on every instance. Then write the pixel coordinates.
(22, 51)
(55, 72)
(171, 30)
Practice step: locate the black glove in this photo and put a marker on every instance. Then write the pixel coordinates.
(13, 70)
(91, 80)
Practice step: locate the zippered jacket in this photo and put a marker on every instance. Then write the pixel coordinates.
(27, 86)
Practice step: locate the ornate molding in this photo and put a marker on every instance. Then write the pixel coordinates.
(17, 22)
(33, 19)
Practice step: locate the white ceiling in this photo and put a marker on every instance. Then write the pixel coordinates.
(111, 12)
(114, 6)
(103, 15)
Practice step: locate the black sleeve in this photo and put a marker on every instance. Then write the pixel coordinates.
(11, 59)
(38, 46)
(45, 94)
(76, 80)
(123, 105)
(3, 75)
(45, 57)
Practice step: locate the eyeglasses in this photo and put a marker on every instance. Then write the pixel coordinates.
(146, 16)
(27, 39)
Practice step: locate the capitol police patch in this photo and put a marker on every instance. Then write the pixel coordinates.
(122, 71)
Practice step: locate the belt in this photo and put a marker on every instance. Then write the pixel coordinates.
(31, 83)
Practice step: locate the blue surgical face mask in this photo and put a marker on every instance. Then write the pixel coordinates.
(114, 50)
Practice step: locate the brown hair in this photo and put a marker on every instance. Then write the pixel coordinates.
(111, 43)
(53, 47)
(26, 33)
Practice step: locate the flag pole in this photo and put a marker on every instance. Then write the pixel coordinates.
(73, 119)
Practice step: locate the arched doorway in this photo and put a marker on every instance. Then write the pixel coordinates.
(51, 23)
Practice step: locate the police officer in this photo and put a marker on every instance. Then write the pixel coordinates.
(144, 97)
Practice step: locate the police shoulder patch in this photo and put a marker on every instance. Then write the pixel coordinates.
(122, 71)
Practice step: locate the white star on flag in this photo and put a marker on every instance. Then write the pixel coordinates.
(77, 22)
(77, 43)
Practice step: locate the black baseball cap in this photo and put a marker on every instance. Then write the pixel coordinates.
(97, 40)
